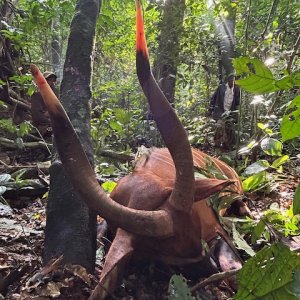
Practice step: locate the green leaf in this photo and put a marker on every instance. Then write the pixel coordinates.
(254, 181)
(285, 83)
(178, 289)
(294, 287)
(257, 167)
(122, 116)
(271, 146)
(296, 201)
(290, 125)
(258, 231)
(240, 242)
(115, 125)
(108, 186)
(259, 78)
(273, 273)
(24, 129)
(31, 90)
(296, 78)
(241, 65)
(280, 161)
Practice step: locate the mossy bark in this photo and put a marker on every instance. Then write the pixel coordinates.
(71, 226)
(167, 58)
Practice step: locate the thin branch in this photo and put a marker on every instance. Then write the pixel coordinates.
(247, 26)
(294, 53)
(12, 145)
(272, 11)
(20, 103)
(214, 278)
(123, 157)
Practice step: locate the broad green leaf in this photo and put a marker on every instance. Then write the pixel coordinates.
(271, 146)
(254, 181)
(290, 125)
(273, 273)
(257, 84)
(285, 83)
(108, 186)
(257, 167)
(122, 116)
(241, 65)
(294, 287)
(296, 201)
(280, 161)
(4, 178)
(259, 78)
(178, 289)
(240, 242)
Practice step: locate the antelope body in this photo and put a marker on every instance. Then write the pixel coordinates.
(159, 210)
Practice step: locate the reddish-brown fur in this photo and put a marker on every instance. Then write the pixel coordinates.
(148, 188)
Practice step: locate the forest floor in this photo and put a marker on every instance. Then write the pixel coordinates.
(22, 223)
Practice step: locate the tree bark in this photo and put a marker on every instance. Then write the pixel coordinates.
(56, 48)
(71, 227)
(226, 33)
(167, 59)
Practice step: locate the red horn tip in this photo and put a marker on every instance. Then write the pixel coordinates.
(141, 44)
(34, 70)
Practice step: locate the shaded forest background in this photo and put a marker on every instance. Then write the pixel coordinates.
(190, 54)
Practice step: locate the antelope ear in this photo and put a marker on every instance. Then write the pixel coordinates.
(207, 187)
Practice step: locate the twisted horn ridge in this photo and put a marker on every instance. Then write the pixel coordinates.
(148, 223)
(170, 127)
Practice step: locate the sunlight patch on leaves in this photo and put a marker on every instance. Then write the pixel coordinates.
(108, 186)
(257, 167)
(259, 78)
(254, 181)
(271, 146)
(280, 161)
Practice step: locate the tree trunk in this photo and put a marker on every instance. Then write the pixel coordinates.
(6, 49)
(167, 59)
(56, 48)
(71, 227)
(226, 29)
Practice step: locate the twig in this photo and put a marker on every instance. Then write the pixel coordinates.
(3, 163)
(123, 157)
(294, 53)
(272, 10)
(12, 145)
(213, 278)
